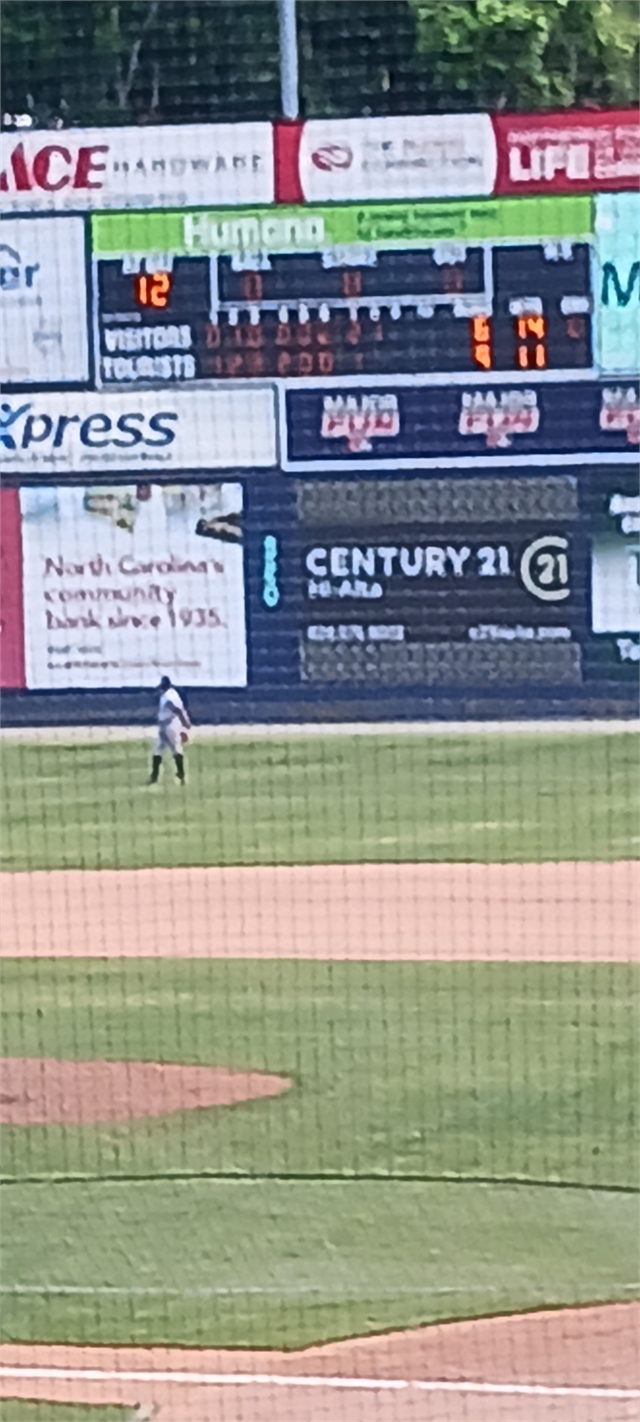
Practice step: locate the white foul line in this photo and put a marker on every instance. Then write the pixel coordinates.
(289, 1380)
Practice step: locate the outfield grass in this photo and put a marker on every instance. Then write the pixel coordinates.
(282, 1264)
(427, 1069)
(337, 799)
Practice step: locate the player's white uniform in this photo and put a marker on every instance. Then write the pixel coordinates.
(169, 723)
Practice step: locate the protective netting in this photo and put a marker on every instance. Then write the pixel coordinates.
(189, 61)
(319, 553)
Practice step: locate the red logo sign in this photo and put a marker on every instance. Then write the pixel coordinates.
(360, 419)
(514, 413)
(570, 152)
(332, 155)
(54, 167)
(620, 413)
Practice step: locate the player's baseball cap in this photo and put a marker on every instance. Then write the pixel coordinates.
(165, 683)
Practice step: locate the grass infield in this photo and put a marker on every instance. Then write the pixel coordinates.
(283, 1264)
(13, 1409)
(484, 1070)
(481, 1070)
(323, 800)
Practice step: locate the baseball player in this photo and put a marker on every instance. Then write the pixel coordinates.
(173, 728)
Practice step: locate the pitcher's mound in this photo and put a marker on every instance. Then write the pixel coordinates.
(39, 1091)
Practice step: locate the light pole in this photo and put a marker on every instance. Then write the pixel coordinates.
(288, 58)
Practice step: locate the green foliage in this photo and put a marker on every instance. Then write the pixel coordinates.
(68, 62)
(530, 54)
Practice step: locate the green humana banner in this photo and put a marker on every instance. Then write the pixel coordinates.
(220, 231)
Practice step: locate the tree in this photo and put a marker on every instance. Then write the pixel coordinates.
(529, 54)
(68, 62)
(88, 62)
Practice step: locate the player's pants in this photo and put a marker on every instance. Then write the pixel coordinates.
(168, 739)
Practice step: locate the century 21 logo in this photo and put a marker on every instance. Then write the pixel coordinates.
(20, 429)
(544, 568)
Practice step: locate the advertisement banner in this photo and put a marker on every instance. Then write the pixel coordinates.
(615, 564)
(168, 166)
(618, 282)
(305, 229)
(432, 426)
(567, 152)
(413, 156)
(142, 431)
(404, 585)
(43, 301)
(12, 671)
(125, 583)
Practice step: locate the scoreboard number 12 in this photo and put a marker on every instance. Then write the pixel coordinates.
(153, 290)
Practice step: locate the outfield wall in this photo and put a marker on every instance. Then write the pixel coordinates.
(316, 458)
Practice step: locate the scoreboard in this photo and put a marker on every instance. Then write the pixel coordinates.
(397, 303)
(502, 308)
(345, 455)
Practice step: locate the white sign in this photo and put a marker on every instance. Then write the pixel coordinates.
(168, 166)
(617, 274)
(125, 583)
(43, 301)
(615, 570)
(444, 155)
(615, 588)
(139, 430)
(359, 419)
(499, 417)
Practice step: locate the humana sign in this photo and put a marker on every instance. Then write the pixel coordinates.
(203, 233)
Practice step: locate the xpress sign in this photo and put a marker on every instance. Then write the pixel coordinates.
(81, 169)
(203, 429)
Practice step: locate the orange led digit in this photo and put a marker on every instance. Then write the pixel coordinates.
(481, 342)
(153, 290)
(160, 288)
(531, 351)
(532, 326)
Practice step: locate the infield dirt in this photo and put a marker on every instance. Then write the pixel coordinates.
(41, 1091)
(574, 1365)
(572, 912)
